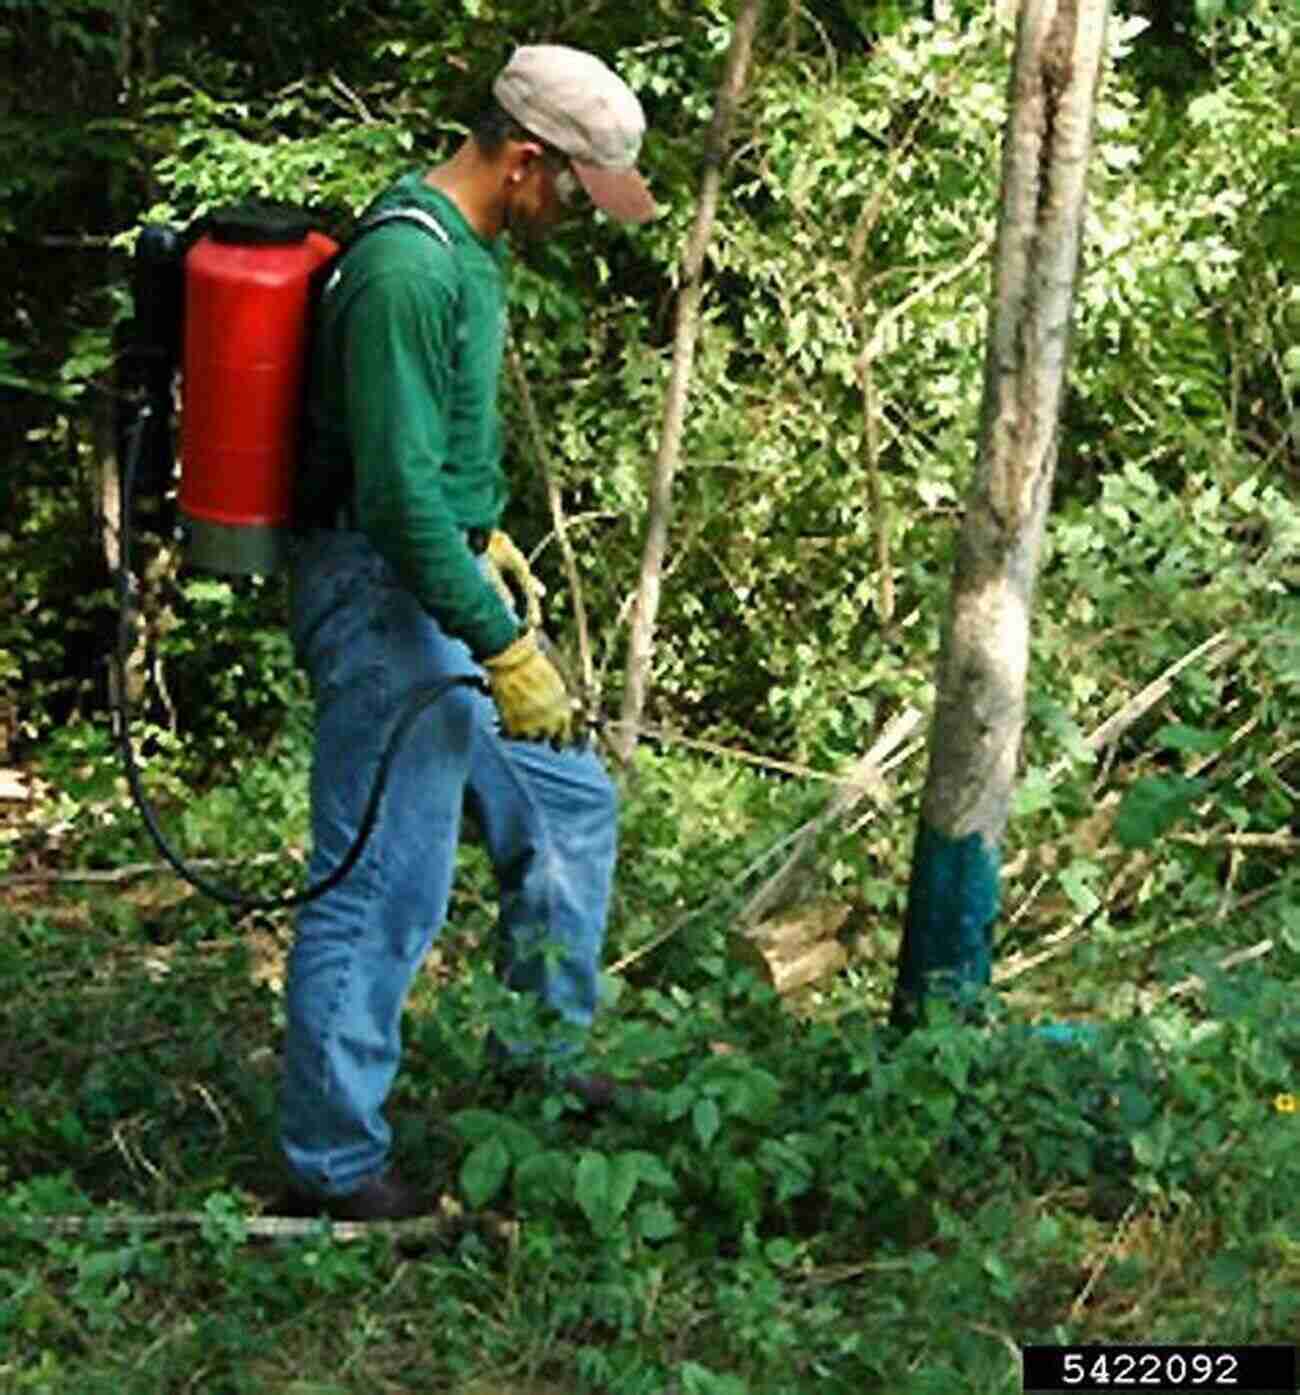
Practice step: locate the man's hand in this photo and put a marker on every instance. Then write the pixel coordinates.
(529, 693)
(505, 561)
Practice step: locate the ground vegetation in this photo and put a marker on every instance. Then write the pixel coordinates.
(803, 1199)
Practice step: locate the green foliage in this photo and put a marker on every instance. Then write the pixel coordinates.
(217, 151)
(798, 1200)
(775, 628)
(1152, 806)
(792, 1201)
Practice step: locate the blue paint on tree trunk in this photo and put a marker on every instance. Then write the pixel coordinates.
(952, 904)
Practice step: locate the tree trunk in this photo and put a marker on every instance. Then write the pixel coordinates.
(979, 714)
(641, 637)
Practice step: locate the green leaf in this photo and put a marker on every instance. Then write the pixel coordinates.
(706, 1120)
(544, 1178)
(750, 1093)
(591, 1189)
(1135, 1106)
(1230, 1270)
(520, 1142)
(677, 1102)
(654, 1220)
(1033, 794)
(782, 1253)
(1291, 365)
(740, 1186)
(652, 1171)
(1077, 883)
(1151, 1145)
(1152, 806)
(624, 1173)
(1062, 727)
(603, 1187)
(479, 1125)
(205, 590)
(483, 1172)
(223, 1223)
(1290, 925)
(1177, 737)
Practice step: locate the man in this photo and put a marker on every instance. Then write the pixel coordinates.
(392, 599)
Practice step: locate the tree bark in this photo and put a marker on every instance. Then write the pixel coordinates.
(641, 636)
(979, 713)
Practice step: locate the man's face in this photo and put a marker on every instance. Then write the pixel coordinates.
(543, 191)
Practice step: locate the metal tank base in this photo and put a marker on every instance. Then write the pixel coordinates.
(234, 550)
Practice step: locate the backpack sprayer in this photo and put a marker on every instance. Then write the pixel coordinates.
(230, 303)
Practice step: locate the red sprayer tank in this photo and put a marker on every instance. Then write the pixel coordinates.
(248, 284)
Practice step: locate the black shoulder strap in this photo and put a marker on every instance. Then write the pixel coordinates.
(408, 214)
(419, 216)
(320, 507)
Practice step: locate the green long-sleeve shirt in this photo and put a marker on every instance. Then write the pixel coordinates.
(405, 377)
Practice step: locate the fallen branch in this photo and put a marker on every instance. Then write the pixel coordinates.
(451, 1222)
(133, 870)
(358, 106)
(1194, 984)
(1141, 703)
(1081, 1301)
(743, 876)
(1008, 969)
(842, 1273)
(864, 779)
(1282, 840)
(1203, 764)
(1137, 863)
(1219, 648)
(1253, 898)
(851, 782)
(901, 757)
(796, 949)
(785, 767)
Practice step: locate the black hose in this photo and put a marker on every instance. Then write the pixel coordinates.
(422, 699)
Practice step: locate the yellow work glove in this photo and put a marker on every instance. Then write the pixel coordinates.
(528, 692)
(504, 561)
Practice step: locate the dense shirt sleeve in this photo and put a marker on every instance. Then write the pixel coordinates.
(398, 356)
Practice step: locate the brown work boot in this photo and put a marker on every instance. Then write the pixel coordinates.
(383, 1198)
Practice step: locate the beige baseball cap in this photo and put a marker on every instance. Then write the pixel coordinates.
(571, 100)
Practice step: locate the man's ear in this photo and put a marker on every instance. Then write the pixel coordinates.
(525, 154)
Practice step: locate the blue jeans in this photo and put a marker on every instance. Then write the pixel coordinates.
(548, 820)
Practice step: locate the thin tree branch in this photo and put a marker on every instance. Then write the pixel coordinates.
(641, 638)
(871, 412)
(923, 292)
(590, 697)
